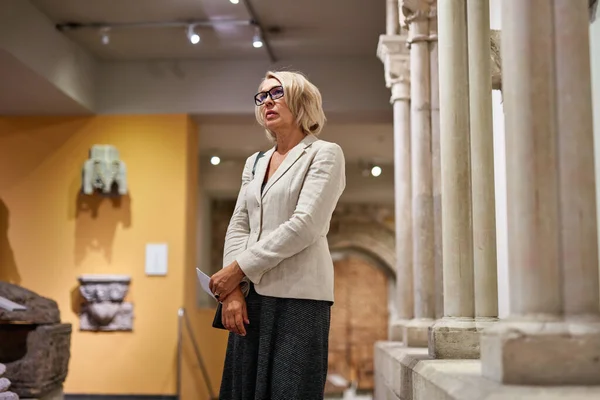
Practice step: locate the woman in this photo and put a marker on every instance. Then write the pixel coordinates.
(276, 286)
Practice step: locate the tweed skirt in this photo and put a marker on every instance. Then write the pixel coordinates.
(284, 353)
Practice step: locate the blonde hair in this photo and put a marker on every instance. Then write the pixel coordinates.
(302, 98)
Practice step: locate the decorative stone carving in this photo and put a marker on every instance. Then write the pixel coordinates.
(104, 170)
(392, 51)
(413, 10)
(104, 308)
(34, 345)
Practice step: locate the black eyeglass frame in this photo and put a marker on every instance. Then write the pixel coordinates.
(268, 93)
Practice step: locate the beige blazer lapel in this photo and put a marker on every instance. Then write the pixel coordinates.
(259, 173)
(289, 160)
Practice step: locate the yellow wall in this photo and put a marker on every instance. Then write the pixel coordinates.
(48, 237)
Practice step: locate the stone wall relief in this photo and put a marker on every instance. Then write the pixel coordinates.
(104, 191)
(104, 172)
(104, 308)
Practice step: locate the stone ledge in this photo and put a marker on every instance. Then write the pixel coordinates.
(403, 373)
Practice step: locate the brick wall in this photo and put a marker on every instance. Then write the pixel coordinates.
(359, 319)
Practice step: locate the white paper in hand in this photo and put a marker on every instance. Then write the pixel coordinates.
(204, 281)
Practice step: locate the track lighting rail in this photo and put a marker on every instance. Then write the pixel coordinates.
(104, 28)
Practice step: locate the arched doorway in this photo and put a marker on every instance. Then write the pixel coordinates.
(360, 317)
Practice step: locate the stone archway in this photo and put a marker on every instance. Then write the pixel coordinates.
(362, 243)
(366, 228)
(368, 238)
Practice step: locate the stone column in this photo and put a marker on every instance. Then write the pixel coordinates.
(393, 52)
(392, 19)
(416, 16)
(436, 161)
(482, 163)
(455, 336)
(553, 335)
(576, 162)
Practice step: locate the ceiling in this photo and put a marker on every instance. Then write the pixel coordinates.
(361, 142)
(27, 93)
(308, 28)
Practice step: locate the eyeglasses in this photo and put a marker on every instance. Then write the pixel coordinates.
(274, 93)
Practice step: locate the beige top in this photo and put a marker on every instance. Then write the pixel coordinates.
(279, 237)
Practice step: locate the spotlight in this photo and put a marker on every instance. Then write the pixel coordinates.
(104, 32)
(257, 40)
(376, 171)
(193, 37)
(214, 160)
(234, 1)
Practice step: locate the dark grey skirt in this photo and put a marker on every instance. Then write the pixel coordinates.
(284, 353)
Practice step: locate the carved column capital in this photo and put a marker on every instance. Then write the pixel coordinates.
(419, 11)
(433, 34)
(392, 51)
(104, 308)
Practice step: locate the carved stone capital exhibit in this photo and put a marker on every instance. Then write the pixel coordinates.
(104, 171)
(34, 344)
(104, 308)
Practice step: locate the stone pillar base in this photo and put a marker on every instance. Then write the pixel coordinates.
(542, 353)
(396, 330)
(416, 332)
(454, 338)
(482, 323)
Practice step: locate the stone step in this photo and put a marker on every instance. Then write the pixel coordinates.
(2, 369)
(4, 385)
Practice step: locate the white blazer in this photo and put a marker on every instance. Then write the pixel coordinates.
(279, 236)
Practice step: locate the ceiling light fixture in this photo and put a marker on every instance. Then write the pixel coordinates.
(260, 39)
(215, 160)
(104, 32)
(234, 1)
(257, 40)
(376, 171)
(192, 36)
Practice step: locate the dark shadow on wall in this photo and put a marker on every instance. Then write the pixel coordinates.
(96, 220)
(8, 266)
(76, 300)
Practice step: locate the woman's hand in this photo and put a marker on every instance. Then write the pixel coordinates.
(226, 281)
(234, 313)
